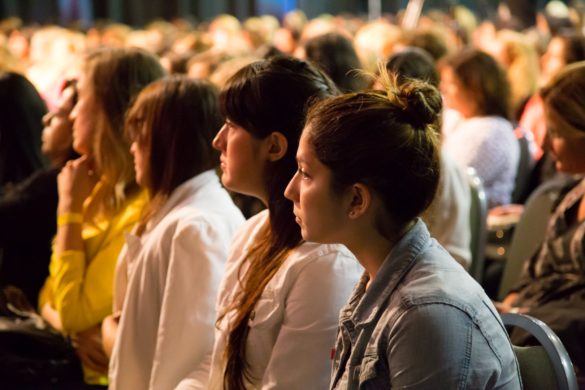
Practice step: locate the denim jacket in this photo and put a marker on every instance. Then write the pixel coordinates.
(423, 323)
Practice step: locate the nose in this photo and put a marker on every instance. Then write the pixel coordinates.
(133, 147)
(218, 142)
(291, 191)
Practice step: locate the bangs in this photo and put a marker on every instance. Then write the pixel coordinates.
(241, 99)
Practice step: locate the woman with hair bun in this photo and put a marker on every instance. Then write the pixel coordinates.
(368, 166)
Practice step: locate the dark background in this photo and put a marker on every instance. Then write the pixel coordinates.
(140, 12)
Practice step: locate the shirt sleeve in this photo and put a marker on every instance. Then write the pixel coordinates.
(81, 292)
(301, 356)
(186, 332)
(81, 288)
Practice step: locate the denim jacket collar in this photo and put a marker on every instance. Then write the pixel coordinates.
(364, 305)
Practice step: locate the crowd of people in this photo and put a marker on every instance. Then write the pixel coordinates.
(285, 205)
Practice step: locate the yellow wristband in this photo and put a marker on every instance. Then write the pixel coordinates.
(69, 219)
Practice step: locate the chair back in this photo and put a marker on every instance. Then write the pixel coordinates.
(543, 367)
(529, 231)
(477, 221)
(525, 165)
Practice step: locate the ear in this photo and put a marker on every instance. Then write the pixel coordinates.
(360, 200)
(277, 146)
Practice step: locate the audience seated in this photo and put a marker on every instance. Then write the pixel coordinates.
(482, 137)
(169, 271)
(280, 297)
(98, 202)
(416, 319)
(552, 287)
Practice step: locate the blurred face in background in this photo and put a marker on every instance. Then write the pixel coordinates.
(455, 95)
(567, 147)
(57, 133)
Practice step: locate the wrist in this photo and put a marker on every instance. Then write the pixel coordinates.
(69, 219)
(69, 207)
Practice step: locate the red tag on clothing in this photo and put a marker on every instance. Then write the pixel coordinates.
(332, 353)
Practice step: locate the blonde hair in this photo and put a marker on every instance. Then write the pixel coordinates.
(522, 67)
(115, 76)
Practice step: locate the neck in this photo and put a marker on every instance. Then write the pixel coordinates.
(370, 249)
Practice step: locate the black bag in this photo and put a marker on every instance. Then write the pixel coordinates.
(31, 351)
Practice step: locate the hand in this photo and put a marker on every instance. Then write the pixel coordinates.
(75, 182)
(88, 345)
(109, 332)
(506, 306)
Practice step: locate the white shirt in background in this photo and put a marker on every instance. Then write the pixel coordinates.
(168, 281)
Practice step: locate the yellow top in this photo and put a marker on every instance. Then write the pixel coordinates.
(80, 283)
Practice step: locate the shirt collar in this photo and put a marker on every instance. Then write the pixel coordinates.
(364, 304)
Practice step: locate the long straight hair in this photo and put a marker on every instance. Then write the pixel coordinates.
(115, 78)
(263, 97)
(174, 120)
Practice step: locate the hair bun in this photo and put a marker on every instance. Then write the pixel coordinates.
(421, 102)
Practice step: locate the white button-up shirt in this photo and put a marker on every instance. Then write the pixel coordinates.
(168, 281)
(293, 328)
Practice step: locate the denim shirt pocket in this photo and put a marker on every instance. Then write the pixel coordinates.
(371, 373)
(267, 311)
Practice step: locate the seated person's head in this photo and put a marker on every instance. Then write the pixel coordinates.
(367, 154)
(564, 107)
(473, 83)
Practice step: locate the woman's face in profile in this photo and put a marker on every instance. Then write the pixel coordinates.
(319, 211)
(83, 116)
(567, 151)
(455, 94)
(242, 159)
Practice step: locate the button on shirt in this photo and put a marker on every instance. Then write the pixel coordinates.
(423, 323)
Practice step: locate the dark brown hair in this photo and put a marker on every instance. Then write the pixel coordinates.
(21, 110)
(174, 120)
(484, 80)
(263, 97)
(335, 54)
(389, 142)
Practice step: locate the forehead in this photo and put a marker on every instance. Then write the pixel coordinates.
(305, 147)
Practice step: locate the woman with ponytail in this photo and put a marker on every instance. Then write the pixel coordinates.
(280, 297)
(368, 166)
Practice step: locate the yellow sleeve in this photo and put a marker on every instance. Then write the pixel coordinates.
(80, 287)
